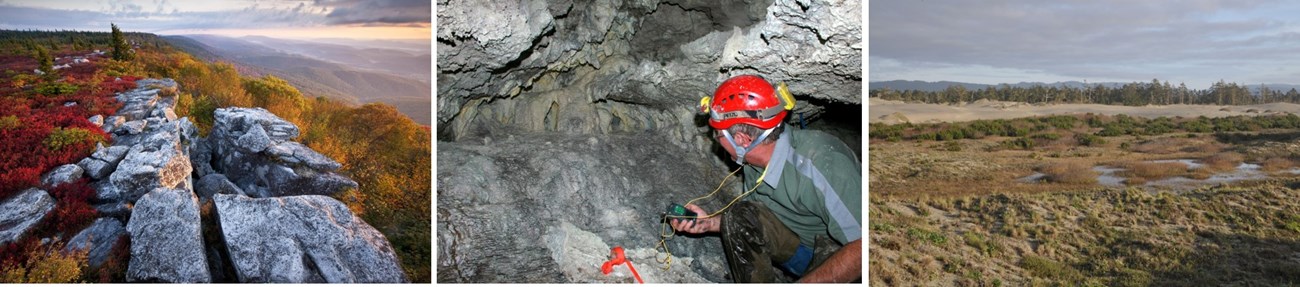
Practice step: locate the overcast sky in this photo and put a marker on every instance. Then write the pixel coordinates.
(1194, 42)
(395, 19)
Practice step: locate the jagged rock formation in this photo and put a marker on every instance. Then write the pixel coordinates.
(307, 238)
(259, 158)
(634, 65)
(584, 112)
(149, 183)
(21, 212)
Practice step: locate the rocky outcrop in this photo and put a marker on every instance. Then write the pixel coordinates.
(157, 170)
(307, 238)
(21, 212)
(256, 154)
(166, 244)
(98, 240)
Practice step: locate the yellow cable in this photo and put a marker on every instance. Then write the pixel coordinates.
(663, 237)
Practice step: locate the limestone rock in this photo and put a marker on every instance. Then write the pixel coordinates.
(166, 244)
(67, 173)
(21, 212)
(97, 120)
(303, 239)
(484, 213)
(98, 239)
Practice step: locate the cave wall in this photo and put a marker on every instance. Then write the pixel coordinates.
(599, 67)
(576, 121)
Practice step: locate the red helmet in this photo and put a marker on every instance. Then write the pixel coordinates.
(746, 99)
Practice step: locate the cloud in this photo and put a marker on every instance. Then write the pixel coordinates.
(1197, 40)
(379, 12)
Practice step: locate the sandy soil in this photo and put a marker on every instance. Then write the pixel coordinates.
(892, 112)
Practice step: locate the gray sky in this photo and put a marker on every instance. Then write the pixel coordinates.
(1195, 42)
(285, 18)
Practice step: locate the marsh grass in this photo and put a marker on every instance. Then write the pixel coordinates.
(1224, 161)
(1069, 172)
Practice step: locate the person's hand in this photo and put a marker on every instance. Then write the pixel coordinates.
(699, 225)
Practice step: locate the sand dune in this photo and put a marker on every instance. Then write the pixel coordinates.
(886, 111)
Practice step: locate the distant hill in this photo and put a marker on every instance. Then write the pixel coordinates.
(316, 77)
(902, 85)
(941, 85)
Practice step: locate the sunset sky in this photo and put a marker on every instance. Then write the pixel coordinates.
(358, 19)
(1197, 42)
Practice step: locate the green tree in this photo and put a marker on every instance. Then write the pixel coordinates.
(47, 61)
(121, 51)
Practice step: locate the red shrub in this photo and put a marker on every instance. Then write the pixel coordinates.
(73, 210)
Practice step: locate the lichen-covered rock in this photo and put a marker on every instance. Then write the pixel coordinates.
(149, 166)
(253, 149)
(166, 244)
(303, 239)
(98, 239)
(67, 173)
(21, 212)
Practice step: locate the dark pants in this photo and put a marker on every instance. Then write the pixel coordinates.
(754, 241)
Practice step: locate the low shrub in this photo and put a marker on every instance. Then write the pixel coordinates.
(64, 137)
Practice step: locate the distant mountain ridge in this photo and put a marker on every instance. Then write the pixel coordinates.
(901, 85)
(315, 77)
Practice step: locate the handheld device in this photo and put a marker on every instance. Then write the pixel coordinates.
(679, 210)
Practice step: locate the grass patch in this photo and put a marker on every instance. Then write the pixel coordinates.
(1069, 172)
(1047, 268)
(1224, 161)
(1147, 171)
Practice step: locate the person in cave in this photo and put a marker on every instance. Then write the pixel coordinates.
(804, 215)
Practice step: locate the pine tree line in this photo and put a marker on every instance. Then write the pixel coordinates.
(1131, 94)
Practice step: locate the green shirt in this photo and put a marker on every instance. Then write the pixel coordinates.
(813, 185)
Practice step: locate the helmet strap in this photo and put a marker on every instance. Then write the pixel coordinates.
(741, 150)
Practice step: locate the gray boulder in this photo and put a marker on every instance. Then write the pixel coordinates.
(157, 162)
(102, 163)
(254, 140)
(166, 244)
(98, 239)
(21, 212)
(97, 120)
(303, 239)
(112, 122)
(67, 173)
